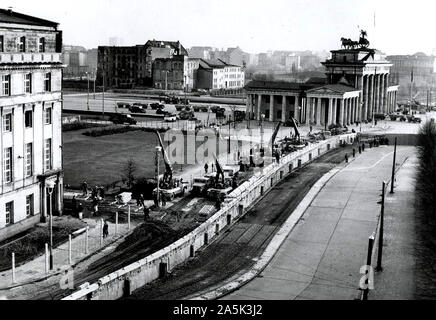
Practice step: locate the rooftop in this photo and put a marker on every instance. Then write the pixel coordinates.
(9, 16)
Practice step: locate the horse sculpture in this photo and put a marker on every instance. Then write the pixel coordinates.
(350, 44)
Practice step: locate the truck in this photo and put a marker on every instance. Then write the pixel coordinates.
(177, 188)
(200, 185)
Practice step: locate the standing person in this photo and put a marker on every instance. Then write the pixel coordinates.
(105, 230)
(85, 188)
(213, 170)
(74, 204)
(206, 166)
(146, 213)
(95, 205)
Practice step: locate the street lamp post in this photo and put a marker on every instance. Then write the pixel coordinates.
(50, 187)
(262, 116)
(158, 149)
(87, 97)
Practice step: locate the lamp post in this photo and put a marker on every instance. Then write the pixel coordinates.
(262, 116)
(87, 97)
(50, 187)
(95, 78)
(158, 149)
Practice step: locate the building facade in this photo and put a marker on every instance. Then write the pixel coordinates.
(357, 87)
(217, 74)
(424, 77)
(30, 127)
(169, 73)
(133, 66)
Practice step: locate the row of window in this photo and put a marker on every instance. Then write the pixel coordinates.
(22, 44)
(9, 209)
(27, 78)
(28, 119)
(8, 160)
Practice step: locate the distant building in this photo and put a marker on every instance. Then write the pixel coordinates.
(217, 74)
(133, 66)
(30, 127)
(200, 52)
(169, 73)
(424, 77)
(293, 62)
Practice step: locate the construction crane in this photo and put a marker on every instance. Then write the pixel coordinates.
(168, 175)
(274, 135)
(219, 171)
(297, 132)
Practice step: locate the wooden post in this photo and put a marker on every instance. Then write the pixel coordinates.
(101, 232)
(368, 263)
(86, 240)
(13, 267)
(46, 258)
(128, 218)
(69, 250)
(116, 223)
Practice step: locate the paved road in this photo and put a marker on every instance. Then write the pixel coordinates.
(322, 256)
(237, 248)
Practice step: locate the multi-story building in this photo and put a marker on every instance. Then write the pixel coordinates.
(169, 73)
(133, 66)
(356, 88)
(422, 67)
(30, 126)
(217, 74)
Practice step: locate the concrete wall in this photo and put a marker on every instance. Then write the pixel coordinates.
(138, 274)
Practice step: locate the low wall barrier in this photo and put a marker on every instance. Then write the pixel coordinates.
(124, 281)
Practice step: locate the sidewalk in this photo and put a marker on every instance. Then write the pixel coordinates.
(34, 271)
(398, 278)
(321, 257)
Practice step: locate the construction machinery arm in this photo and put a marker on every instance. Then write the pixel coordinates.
(219, 170)
(274, 135)
(294, 125)
(168, 176)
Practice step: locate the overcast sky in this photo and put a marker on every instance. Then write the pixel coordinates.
(401, 27)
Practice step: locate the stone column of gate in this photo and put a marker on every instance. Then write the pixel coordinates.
(259, 106)
(370, 95)
(345, 111)
(271, 107)
(283, 108)
(377, 93)
(318, 111)
(357, 108)
(335, 110)
(297, 110)
(330, 112)
(382, 85)
(341, 111)
(366, 99)
(309, 110)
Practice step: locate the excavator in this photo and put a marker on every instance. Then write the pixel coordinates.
(222, 188)
(169, 186)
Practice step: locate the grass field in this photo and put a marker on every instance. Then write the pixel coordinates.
(100, 160)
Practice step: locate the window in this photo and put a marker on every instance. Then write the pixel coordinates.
(29, 205)
(48, 115)
(7, 165)
(28, 83)
(22, 45)
(2, 49)
(28, 119)
(41, 45)
(29, 160)
(6, 85)
(47, 155)
(9, 209)
(7, 122)
(47, 82)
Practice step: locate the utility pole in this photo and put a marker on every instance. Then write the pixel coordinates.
(380, 237)
(87, 97)
(158, 149)
(103, 88)
(95, 78)
(393, 166)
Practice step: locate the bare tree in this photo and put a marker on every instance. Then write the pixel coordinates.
(129, 173)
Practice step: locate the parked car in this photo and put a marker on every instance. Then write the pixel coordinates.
(157, 105)
(122, 118)
(136, 109)
(123, 105)
(170, 117)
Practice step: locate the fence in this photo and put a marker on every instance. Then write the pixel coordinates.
(79, 245)
(156, 265)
